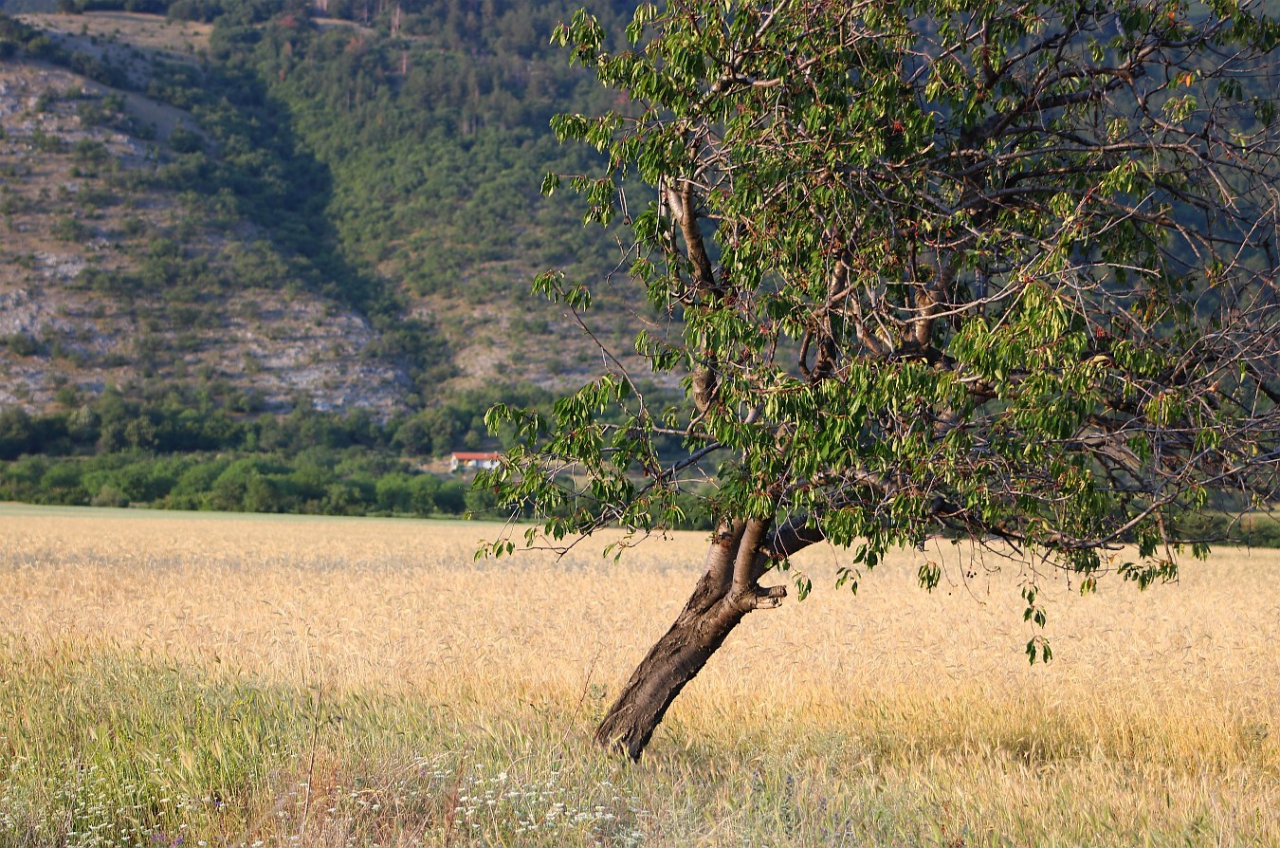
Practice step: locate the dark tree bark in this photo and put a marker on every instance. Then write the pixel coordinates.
(725, 593)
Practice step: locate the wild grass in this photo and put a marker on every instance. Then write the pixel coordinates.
(173, 679)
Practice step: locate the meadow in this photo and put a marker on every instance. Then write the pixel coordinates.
(212, 680)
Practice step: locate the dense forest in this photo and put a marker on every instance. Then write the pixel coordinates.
(437, 136)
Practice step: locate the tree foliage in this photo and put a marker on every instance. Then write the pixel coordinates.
(969, 267)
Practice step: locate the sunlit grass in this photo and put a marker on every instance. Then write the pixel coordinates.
(169, 679)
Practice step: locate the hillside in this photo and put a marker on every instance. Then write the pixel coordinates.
(295, 208)
(108, 276)
(260, 258)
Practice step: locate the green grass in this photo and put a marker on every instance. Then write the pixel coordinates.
(113, 748)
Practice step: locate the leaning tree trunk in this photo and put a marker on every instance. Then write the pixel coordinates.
(726, 592)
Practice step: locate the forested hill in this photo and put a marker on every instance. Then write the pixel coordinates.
(437, 136)
(395, 150)
(223, 218)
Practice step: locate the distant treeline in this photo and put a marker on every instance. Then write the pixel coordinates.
(1256, 530)
(317, 481)
(215, 417)
(201, 449)
(195, 449)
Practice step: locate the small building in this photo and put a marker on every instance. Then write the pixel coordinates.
(463, 459)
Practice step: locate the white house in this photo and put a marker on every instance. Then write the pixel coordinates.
(462, 459)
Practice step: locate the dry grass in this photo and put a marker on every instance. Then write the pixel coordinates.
(381, 667)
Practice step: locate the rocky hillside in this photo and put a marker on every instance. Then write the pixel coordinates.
(289, 209)
(108, 275)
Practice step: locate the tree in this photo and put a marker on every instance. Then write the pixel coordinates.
(1004, 272)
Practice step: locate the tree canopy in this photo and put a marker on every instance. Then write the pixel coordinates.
(998, 271)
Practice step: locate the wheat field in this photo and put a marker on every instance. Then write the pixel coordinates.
(211, 679)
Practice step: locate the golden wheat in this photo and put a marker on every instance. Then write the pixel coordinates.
(1158, 715)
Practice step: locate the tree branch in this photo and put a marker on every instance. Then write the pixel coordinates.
(681, 202)
(745, 571)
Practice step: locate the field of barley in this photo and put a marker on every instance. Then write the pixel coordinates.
(214, 680)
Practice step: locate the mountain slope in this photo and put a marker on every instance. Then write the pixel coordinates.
(373, 187)
(108, 276)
